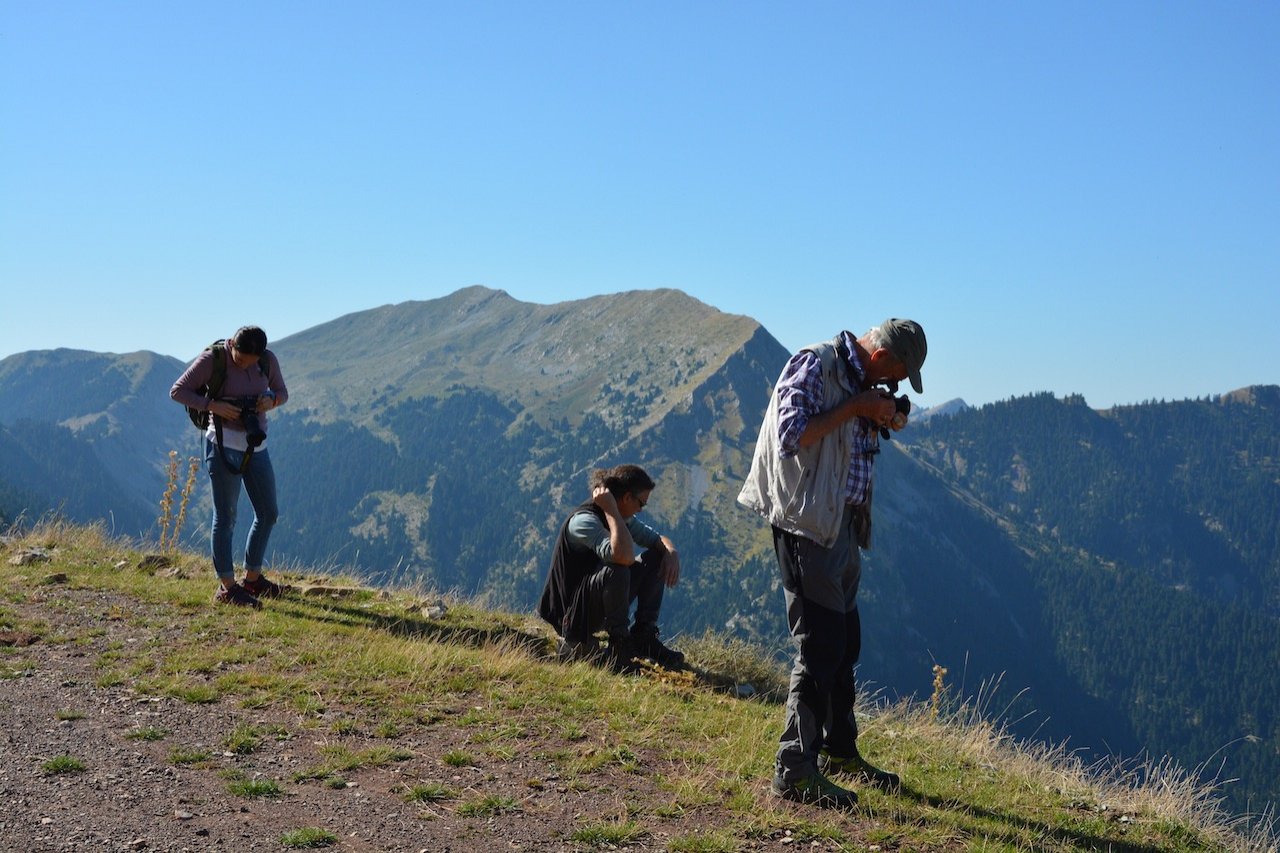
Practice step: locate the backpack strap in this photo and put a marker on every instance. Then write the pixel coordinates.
(200, 417)
(219, 376)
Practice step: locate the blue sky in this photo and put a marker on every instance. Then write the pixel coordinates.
(1070, 197)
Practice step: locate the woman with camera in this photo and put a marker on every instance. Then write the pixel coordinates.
(229, 388)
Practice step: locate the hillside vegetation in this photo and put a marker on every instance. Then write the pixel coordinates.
(1156, 558)
(1114, 572)
(138, 714)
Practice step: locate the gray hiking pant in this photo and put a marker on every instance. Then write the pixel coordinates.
(603, 600)
(821, 589)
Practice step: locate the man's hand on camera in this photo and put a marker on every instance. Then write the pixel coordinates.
(876, 405)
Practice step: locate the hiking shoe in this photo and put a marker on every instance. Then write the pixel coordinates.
(619, 657)
(235, 594)
(263, 588)
(858, 767)
(647, 645)
(815, 790)
(571, 649)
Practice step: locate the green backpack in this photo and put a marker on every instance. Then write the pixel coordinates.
(219, 348)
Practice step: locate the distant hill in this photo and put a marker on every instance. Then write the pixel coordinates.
(1115, 572)
(950, 407)
(626, 358)
(1149, 534)
(88, 433)
(450, 447)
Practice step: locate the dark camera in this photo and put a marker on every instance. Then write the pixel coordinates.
(902, 408)
(254, 434)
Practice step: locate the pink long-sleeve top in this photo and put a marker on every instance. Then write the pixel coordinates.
(240, 382)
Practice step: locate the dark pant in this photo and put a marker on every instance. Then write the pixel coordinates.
(821, 589)
(603, 599)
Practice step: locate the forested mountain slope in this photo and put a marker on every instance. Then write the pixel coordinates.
(1116, 572)
(1151, 539)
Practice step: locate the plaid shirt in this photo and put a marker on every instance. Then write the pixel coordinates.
(800, 396)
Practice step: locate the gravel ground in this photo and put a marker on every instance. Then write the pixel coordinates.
(133, 795)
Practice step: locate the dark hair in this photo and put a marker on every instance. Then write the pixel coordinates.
(621, 480)
(250, 340)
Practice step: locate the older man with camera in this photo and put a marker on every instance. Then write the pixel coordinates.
(811, 480)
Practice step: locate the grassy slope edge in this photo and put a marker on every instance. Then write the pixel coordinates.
(565, 757)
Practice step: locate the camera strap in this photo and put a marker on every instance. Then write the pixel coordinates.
(222, 451)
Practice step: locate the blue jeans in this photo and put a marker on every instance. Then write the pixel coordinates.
(260, 485)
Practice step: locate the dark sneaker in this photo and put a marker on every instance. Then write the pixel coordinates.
(649, 646)
(262, 588)
(815, 790)
(235, 594)
(857, 767)
(571, 649)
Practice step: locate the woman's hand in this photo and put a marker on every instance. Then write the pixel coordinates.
(226, 410)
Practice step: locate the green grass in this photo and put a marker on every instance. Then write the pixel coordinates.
(387, 729)
(488, 806)
(339, 758)
(429, 792)
(243, 740)
(196, 694)
(148, 733)
(111, 678)
(711, 842)
(186, 756)
(256, 788)
(365, 670)
(307, 837)
(608, 835)
(63, 764)
(345, 726)
(458, 758)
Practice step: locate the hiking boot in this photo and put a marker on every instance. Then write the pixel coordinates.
(570, 649)
(647, 645)
(235, 594)
(619, 657)
(857, 767)
(815, 790)
(263, 588)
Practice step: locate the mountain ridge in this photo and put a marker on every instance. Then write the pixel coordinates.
(424, 348)
(1004, 533)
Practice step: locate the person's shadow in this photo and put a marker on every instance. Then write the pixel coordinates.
(1021, 826)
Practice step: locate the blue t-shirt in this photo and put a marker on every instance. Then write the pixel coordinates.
(588, 531)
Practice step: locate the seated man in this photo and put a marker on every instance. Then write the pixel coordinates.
(595, 576)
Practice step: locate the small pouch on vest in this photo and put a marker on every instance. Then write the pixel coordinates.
(862, 525)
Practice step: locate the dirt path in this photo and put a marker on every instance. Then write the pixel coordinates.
(159, 794)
